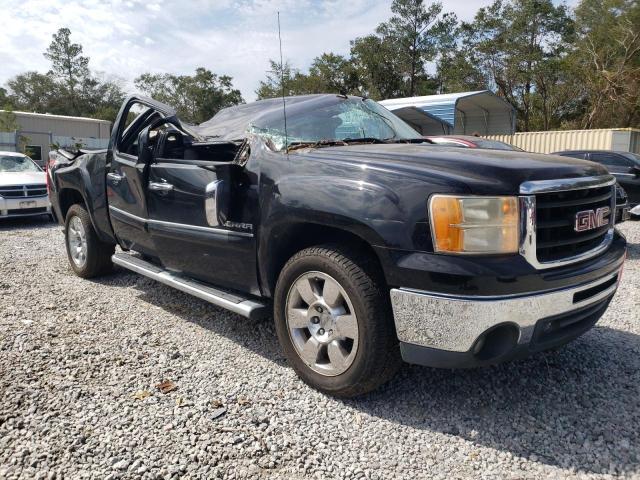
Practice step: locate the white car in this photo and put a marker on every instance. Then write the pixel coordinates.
(23, 189)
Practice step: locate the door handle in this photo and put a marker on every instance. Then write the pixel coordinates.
(160, 187)
(115, 178)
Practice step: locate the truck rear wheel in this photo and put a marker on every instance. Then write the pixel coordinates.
(88, 256)
(334, 321)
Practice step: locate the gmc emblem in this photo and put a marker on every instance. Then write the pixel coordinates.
(590, 219)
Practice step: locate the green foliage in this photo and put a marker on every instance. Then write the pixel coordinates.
(329, 73)
(69, 67)
(558, 68)
(605, 60)
(416, 33)
(8, 121)
(196, 98)
(518, 46)
(69, 88)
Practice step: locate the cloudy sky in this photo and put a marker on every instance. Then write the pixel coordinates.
(124, 38)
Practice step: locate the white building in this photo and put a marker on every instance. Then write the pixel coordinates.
(40, 130)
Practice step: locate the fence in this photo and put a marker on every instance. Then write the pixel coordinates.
(620, 139)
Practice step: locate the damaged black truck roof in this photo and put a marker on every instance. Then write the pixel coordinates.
(233, 123)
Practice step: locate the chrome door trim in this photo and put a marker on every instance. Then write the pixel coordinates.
(214, 203)
(222, 231)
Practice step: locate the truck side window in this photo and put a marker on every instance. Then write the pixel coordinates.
(138, 116)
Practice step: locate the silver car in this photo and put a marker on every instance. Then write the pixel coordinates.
(23, 189)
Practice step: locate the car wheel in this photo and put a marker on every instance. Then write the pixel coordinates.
(334, 321)
(88, 256)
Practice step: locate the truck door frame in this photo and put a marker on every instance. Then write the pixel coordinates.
(127, 176)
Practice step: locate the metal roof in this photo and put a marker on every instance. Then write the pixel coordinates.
(53, 116)
(465, 112)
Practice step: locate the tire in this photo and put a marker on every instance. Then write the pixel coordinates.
(367, 356)
(88, 256)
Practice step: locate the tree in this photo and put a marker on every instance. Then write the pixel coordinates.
(517, 44)
(606, 61)
(377, 64)
(4, 100)
(69, 66)
(35, 92)
(69, 88)
(328, 73)
(271, 87)
(333, 73)
(8, 121)
(416, 32)
(196, 98)
(456, 72)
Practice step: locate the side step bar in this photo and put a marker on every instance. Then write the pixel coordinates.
(231, 301)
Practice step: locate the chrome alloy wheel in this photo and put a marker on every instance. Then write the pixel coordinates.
(322, 323)
(77, 242)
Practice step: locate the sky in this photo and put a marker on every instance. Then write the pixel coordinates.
(124, 38)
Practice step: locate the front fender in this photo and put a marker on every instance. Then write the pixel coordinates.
(371, 211)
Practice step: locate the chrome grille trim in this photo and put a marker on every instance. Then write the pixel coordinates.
(560, 185)
(528, 242)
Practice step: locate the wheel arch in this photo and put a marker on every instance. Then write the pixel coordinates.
(68, 197)
(287, 240)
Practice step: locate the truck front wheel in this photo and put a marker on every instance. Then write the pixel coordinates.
(88, 256)
(334, 321)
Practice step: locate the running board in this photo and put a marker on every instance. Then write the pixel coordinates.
(231, 301)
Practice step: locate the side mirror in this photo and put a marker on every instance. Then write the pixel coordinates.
(635, 170)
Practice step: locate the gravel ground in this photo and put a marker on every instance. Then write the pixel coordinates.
(80, 361)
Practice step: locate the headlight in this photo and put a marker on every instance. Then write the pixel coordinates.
(474, 224)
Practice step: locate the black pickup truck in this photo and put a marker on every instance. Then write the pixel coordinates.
(370, 244)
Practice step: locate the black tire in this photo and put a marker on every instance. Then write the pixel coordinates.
(377, 357)
(98, 253)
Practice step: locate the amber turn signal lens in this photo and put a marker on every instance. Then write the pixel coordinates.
(474, 224)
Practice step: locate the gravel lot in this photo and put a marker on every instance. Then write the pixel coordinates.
(80, 361)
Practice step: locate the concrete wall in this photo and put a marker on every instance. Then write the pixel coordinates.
(622, 139)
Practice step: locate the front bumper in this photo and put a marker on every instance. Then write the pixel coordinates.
(474, 316)
(24, 206)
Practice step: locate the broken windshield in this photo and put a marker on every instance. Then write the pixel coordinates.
(348, 121)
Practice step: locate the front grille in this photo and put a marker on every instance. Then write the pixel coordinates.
(556, 238)
(23, 191)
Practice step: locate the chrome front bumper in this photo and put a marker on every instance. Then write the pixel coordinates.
(454, 324)
(23, 206)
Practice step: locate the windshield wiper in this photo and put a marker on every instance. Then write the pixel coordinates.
(365, 140)
(318, 144)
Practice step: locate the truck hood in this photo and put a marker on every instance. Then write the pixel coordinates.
(22, 178)
(481, 171)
